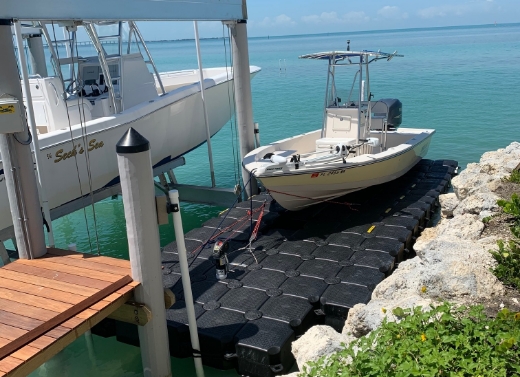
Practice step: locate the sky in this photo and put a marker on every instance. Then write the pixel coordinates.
(287, 17)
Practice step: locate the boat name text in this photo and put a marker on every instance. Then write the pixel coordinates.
(62, 155)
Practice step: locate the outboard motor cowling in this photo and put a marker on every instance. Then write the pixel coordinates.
(390, 108)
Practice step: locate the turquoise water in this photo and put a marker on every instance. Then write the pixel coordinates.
(462, 81)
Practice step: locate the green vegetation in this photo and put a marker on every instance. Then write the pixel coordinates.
(515, 176)
(507, 269)
(512, 208)
(444, 341)
(487, 219)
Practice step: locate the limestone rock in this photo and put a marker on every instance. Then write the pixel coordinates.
(316, 342)
(466, 227)
(478, 203)
(452, 264)
(362, 319)
(448, 203)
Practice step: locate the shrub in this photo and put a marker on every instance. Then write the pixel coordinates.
(514, 177)
(444, 341)
(507, 269)
(512, 208)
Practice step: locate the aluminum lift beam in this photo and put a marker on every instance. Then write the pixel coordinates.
(117, 10)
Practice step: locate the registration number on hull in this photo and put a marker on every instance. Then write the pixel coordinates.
(328, 173)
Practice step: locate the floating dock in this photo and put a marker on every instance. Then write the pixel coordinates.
(305, 268)
(47, 303)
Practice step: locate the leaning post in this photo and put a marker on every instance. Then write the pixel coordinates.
(135, 169)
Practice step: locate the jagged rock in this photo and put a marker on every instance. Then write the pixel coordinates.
(466, 227)
(470, 180)
(362, 318)
(452, 264)
(316, 342)
(478, 203)
(448, 203)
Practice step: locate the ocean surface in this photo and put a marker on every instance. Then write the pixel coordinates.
(462, 81)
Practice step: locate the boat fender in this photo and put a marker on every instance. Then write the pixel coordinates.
(278, 159)
(373, 141)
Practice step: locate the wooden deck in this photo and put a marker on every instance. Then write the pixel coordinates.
(47, 303)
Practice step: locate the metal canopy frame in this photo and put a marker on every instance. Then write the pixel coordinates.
(122, 10)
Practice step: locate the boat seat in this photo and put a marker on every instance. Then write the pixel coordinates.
(331, 142)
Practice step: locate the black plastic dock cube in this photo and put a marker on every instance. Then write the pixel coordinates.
(333, 253)
(264, 348)
(178, 331)
(367, 276)
(217, 335)
(338, 299)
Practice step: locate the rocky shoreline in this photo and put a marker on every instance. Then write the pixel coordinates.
(452, 264)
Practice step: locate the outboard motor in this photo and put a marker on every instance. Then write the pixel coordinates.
(391, 109)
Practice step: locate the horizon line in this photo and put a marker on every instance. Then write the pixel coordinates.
(344, 32)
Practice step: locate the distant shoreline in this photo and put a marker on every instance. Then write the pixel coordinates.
(353, 32)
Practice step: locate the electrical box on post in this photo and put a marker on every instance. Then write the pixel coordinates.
(11, 120)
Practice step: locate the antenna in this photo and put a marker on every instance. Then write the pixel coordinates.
(348, 44)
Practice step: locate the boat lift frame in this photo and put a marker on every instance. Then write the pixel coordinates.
(233, 12)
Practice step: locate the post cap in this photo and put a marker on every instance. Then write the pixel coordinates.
(132, 142)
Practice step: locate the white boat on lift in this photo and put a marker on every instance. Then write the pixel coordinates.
(84, 107)
(360, 143)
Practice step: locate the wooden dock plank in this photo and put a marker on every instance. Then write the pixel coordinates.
(25, 353)
(73, 322)
(36, 301)
(50, 347)
(98, 258)
(36, 290)
(47, 303)
(10, 332)
(58, 332)
(61, 317)
(47, 283)
(20, 321)
(26, 310)
(77, 271)
(56, 275)
(9, 363)
(42, 342)
(88, 263)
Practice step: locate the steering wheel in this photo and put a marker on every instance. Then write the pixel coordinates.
(74, 87)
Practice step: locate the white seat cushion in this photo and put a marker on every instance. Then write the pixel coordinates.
(332, 141)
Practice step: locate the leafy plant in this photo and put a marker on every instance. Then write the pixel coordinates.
(487, 219)
(514, 177)
(512, 208)
(444, 341)
(507, 269)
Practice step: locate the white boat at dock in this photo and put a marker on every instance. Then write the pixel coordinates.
(83, 108)
(360, 143)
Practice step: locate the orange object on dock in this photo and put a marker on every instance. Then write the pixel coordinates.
(47, 303)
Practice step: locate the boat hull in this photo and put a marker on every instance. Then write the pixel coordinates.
(75, 165)
(295, 191)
